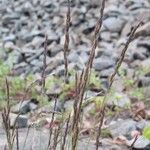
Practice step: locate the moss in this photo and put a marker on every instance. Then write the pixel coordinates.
(105, 133)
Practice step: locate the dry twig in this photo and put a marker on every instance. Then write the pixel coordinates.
(84, 78)
(121, 58)
(66, 44)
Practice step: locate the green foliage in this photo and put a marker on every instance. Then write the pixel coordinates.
(94, 79)
(17, 84)
(105, 133)
(51, 81)
(98, 101)
(142, 71)
(146, 132)
(128, 82)
(4, 70)
(43, 99)
(137, 93)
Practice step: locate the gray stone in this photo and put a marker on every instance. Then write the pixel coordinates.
(103, 63)
(37, 41)
(27, 7)
(144, 30)
(52, 36)
(146, 63)
(126, 29)
(24, 107)
(144, 81)
(9, 46)
(21, 120)
(10, 37)
(119, 99)
(38, 139)
(139, 56)
(54, 49)
(122, 127)
(106, 73)
(113, 24)
(54, 90)
(73, 57)
(140, 144)
(89, 94)
(83, 57)
(141, 124)
(106, 36)
(3, 54)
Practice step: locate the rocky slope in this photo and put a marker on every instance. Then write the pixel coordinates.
(23, 27)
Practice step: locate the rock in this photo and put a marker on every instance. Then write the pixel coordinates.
(52, 36)
(73, 57)
(10, 37)
(146, 63)
(106, 36)
(104, 82)
(106, 73)
(9, 46)
(140, 144)
(126, 29)
(144, 81)
(88, 28)
(25, 106)
(68, 105)
(50, 107)
(103, 63)
(21, 120)
(139, 56)
(54, 91)
(28, 36)
(141, 124)
(54, 49)
(145, 45)
(119, 99)
(37, 41)
(3, 54)
(27, 7)
(144, 30)
(122, 127)
(59, 71)
(113, 24)
(83, 57)
(37, 63)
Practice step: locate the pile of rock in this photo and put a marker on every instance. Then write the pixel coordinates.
(24, 24)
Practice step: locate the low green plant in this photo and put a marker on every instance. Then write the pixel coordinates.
(94, 79)
(146, 132)
(4, 70)
(127, 82)
(137, 93)
(141, 71)
(105, 133)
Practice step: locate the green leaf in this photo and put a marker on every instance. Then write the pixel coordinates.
(146, 132)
